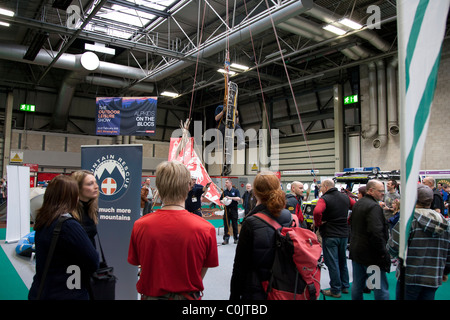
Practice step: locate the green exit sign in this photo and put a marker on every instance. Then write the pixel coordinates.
(351, 99)
(28, 107)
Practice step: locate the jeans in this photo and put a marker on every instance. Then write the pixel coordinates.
(415, 292)
(334, 254)
(359, 282)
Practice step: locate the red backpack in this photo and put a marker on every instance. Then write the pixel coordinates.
(295, 273)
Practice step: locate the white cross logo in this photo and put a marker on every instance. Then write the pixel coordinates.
(109, 186)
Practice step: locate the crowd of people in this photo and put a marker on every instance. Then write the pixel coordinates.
(173, 264)
(372, 231)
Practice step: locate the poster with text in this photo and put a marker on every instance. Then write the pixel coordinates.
(127, 116)
(118, 171)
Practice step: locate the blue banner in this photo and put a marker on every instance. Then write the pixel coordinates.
(118, 170)
(127, 116)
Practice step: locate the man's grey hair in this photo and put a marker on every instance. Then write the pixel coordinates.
(328, 183)
(372, 184)
(430, 181)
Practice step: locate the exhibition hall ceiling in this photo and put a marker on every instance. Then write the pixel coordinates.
(148, 47)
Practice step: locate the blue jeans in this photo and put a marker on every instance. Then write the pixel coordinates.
(334, 255)
(415, 292)
(359, 282)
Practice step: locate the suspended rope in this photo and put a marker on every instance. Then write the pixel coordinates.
(290, 85)
(259, 77)
(196, 63)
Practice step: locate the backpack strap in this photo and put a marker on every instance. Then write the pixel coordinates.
(56, 232)
(270, 221)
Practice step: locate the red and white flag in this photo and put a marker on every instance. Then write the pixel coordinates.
(195, 166)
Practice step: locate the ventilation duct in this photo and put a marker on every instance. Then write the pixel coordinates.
(392, 97)
(329, 17)
(84, 64)
(373, 103)
(119, 84)
(294, 27)
(68, 62)
(381, 140)
(318, 34)
(243, 33)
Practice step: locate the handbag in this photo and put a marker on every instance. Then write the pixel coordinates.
(103, 281)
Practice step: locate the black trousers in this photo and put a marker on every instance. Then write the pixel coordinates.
(230, 216)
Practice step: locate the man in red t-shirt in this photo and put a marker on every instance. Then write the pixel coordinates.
(173, 247)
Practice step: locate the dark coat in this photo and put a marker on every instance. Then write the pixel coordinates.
(335, 214)
(73, 248)
(369, 234)
(255, 254)
(292, 202)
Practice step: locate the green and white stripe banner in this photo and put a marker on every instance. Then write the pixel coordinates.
(421, 27)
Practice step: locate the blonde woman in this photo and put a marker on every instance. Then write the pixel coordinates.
(87, 207)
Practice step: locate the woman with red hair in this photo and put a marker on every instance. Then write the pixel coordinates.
(255, 251)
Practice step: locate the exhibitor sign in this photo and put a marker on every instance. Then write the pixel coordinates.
(118, 171)
(128, 116)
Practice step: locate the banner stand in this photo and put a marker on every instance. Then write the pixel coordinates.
(18, 203)
(118, 170)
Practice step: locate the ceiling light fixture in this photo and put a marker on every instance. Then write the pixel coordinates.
(99, 47)
(169, 94)
(350, 23)
(334, 29)
(5, 24)
(5, 12)
(239, 66)
(231, 73)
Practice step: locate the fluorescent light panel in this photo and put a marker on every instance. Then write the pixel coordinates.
(169, 94)
(5, 24)
(231, 73)
(99, 48)
(334, 29)
(351, 24)
(239, 66)
(5, 12)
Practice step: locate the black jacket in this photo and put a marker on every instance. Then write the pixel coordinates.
(335, 214)
(438, 201)
(370, 234)
(254, 257)
(292, 202)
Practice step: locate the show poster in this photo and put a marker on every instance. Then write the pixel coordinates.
(127, 116)
(118, 170)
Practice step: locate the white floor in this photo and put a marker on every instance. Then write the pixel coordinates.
(23, 265)
(216, 282)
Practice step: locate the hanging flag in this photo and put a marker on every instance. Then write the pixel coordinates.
(421, 27)
(189, 157)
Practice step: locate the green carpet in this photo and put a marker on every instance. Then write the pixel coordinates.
(12, 286)
(443, 293)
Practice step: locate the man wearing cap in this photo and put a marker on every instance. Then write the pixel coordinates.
(427, 262)
(193, 201)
